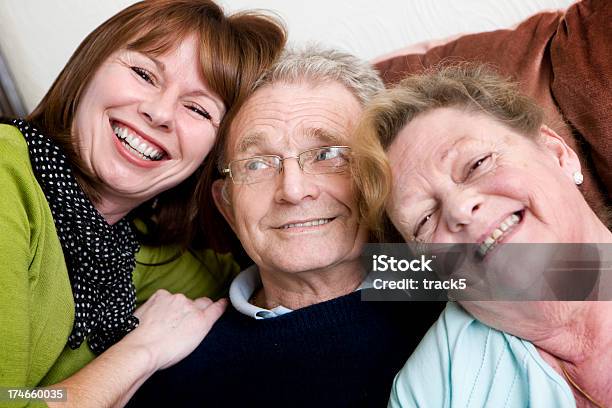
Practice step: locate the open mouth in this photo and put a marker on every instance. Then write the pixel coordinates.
(136, 145)
(306, 224)
(500, 233)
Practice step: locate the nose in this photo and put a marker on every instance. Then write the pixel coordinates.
(158, 110)
(461, 208)
(294, 185)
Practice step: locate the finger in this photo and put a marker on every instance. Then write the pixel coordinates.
(202, 303)
(214, 311)
(159, 293)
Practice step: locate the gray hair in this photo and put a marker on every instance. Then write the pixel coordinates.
(317, 64)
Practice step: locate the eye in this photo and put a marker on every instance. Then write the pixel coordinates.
(144, 74)
(327, 154)
(478, 164)
(199, 110)
(256, 164)
(330, 153)
(422, 225)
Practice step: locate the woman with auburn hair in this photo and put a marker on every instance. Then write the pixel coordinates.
(122, 133)
(457, 155)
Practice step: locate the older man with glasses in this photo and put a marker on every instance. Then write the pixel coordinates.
(298, 333)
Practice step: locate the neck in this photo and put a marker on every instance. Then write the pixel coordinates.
(113, 209)
(582, 347)
(593, 230)
(301, 289)
(574, 335)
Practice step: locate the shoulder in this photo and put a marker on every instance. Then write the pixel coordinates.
(463, 362)
(13, 147)
(17, 181)
(193, 273)
(425, 378)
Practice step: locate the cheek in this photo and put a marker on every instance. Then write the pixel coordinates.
(99, 92)
(508, 182)
(342, 191)
(198, 141)
(398, 210)
(249, 208)
(534, 183)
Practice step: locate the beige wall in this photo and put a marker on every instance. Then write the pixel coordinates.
(38, 36)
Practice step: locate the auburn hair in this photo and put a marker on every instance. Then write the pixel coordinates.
(234, 51)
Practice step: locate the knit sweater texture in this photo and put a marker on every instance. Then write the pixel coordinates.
(339, 353)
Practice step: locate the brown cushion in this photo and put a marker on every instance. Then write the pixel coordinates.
(581, 54)
(551, 55)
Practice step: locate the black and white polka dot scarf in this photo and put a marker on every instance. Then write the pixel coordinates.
(100, 257)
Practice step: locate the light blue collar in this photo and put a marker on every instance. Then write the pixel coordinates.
(244, 286)
(242, 289)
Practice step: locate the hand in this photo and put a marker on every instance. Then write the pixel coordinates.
(171, 326)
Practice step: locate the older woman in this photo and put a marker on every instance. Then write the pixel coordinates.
(121, 131)
(472, 162)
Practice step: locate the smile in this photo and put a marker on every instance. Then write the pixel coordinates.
(312, 223)
(499, 233)
(136, 145)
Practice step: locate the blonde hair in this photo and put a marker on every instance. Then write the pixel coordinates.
(467, 86)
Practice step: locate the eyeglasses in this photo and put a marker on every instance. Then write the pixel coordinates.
(321, 160)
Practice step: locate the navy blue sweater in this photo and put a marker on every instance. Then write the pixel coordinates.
(339, 353)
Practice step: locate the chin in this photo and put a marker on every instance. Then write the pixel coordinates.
(305, 260)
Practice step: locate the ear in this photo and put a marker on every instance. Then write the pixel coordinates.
(564, 156)
(222, 201)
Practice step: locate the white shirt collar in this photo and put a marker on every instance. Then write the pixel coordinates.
(246, 283)
(242, 289)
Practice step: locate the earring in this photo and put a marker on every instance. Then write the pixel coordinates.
(578, 178)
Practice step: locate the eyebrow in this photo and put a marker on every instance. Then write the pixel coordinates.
(325, 136)
(217, 101)
(250, 140)
(160, 65)
(321, 135)
(444, 155)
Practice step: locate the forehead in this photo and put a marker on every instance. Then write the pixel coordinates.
(429, 148)
(437, 137)
(292, 116)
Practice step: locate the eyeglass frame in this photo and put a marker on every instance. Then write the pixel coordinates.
(228, 170)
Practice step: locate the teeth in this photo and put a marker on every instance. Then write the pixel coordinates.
(497, 233)
(313, 223)
(137, 146)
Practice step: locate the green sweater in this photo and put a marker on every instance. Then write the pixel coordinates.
(36, 304)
